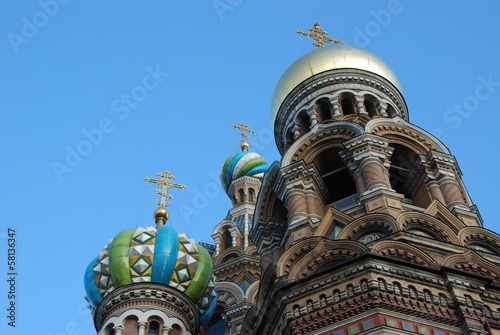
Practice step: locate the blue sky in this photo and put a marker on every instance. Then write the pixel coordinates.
(97, 95)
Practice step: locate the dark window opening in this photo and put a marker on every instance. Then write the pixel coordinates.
(402, 160)
(370, 108)
(335, 175)
(303, 122)
(324, 109)
(347, 106)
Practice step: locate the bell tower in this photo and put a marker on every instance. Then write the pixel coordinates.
(236, 262)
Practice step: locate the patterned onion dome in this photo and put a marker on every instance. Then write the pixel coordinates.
(153, 255)
(243, 163)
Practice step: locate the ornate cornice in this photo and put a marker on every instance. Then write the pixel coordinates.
(150, 296)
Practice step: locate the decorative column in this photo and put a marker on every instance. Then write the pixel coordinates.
(296, 131)
(336, 109)
(165, 330)
(118, 330)
(367, 157)
(313, 116)
(446, 173)
(360, 103)
(142, 327)
(382, 108)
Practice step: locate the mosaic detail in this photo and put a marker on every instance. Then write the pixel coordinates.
(151, 255)
(371, 237)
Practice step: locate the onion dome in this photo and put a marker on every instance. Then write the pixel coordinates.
(325, 59)
(153, 255)
(243, 163)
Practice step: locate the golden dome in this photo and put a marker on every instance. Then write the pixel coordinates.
(329, 58)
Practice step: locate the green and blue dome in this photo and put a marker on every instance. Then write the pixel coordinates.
(153, 255)
(241, 164)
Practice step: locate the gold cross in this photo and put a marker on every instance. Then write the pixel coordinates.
(166, 183)
(244, 128)
(319, 35)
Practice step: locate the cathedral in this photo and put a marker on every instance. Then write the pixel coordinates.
(363, 226)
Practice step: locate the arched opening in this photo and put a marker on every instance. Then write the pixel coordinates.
(241, 195)
(153, 328)
(391, 111)
(176, 330)
(347, 106)
(109, 330)
(402, 161)
(335, 175)
(303, 122)
(228, 240)
(131, 325)
(371, 109)
(397, 288)
(324, 109)
(251, 195)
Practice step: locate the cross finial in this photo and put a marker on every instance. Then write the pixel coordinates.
(319, 35)
(244, 129)
(165, 182)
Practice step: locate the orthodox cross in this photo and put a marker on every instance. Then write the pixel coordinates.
(244, 129)
(165, 182)
(319, 35)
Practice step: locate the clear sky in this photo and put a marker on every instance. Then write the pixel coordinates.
(97, 95)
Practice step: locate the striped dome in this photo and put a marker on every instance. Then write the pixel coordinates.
(153, 255)
(243, 163)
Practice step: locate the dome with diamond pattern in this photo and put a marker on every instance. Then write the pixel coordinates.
(153, 255)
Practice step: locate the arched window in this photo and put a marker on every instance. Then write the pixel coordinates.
(131, 325)
(251, 195)
(427, 296)
(402, 161)
(350, 291)
(370, 108)
(413, 292)
(153, 328)
(241, 195)
(228, 240)
(176, 330)
(303, 122)
(364, 285)
(309, 306)
(347, 106)
(296, 311)
(443, 300)
(336, 295)
(324, 109)
(335, 175)
(382, 286)
(322, 300)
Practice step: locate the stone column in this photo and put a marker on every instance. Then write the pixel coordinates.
(313, 116)
(367, 157)
(142, 328)
(382, 108)
(336, 109)
(296, 132)
(118, 330)
(360, 103)
(165, 330)
(446, 174)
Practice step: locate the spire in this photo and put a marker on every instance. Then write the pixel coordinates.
(244, 128)
(319, 35)
(165, 182)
